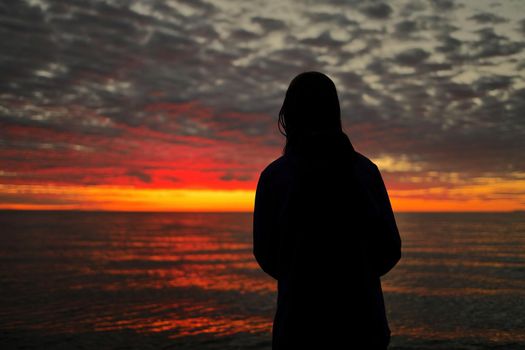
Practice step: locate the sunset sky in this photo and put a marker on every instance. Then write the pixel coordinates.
(172, 105)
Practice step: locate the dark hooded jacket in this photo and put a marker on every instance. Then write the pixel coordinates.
(324, 229)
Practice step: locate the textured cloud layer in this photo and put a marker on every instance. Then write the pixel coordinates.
(184, 94)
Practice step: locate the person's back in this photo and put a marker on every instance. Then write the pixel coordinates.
(324, 228)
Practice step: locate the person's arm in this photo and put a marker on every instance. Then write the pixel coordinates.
(265, 242)
(389, 241)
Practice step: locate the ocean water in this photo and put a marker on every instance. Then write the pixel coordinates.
(88, 280)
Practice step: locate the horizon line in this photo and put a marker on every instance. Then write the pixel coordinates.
(240, 211)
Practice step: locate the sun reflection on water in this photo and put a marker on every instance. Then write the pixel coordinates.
(194, 274)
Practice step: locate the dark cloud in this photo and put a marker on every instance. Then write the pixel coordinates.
(412, 7)
(235, 177)
(378, 66)
(376, 10)
(323, 40)
(457, 91)
(494, 82)
(406, 28)
(521, 26)
(491, 44)
(338, 19)
(448, 44)
(429, 67)
(411, 57)
(487, 18)
(419, 28)
(438, 23)
(40, 199)
(142, 176)
(269, 24)
(242, 34)
(203, 6)
(444, 5)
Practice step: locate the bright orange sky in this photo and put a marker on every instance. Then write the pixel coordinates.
(139, 169)
(148, 107)
(131, 199)
(480, 195)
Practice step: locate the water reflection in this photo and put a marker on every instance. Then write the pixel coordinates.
(461, 276)
(181, 273)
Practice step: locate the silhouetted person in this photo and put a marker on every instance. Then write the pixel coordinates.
(324, 228)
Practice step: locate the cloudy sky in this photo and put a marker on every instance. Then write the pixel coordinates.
(173, 104)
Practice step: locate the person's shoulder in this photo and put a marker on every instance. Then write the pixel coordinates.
(275, 167)
(364, 162)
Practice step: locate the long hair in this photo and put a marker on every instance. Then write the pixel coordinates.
(310, 107)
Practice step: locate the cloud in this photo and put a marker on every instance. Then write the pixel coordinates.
(142, 176)
(448, 44)
(494, 82)
(444, 5)
(323, 40)
(234, 177)
(412, 7)
(491, 44)
(269, 24)
(202, 6)
(521, 26)
(487, 18)
(378, 10)
(337, 18)
(458, 91)
(406, 28)
(411, 57)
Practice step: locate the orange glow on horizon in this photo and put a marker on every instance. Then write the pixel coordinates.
(110, 198)
(439, 205)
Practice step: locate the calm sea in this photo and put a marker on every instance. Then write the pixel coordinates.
(71, 280)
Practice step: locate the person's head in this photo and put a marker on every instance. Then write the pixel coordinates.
(310, 106)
